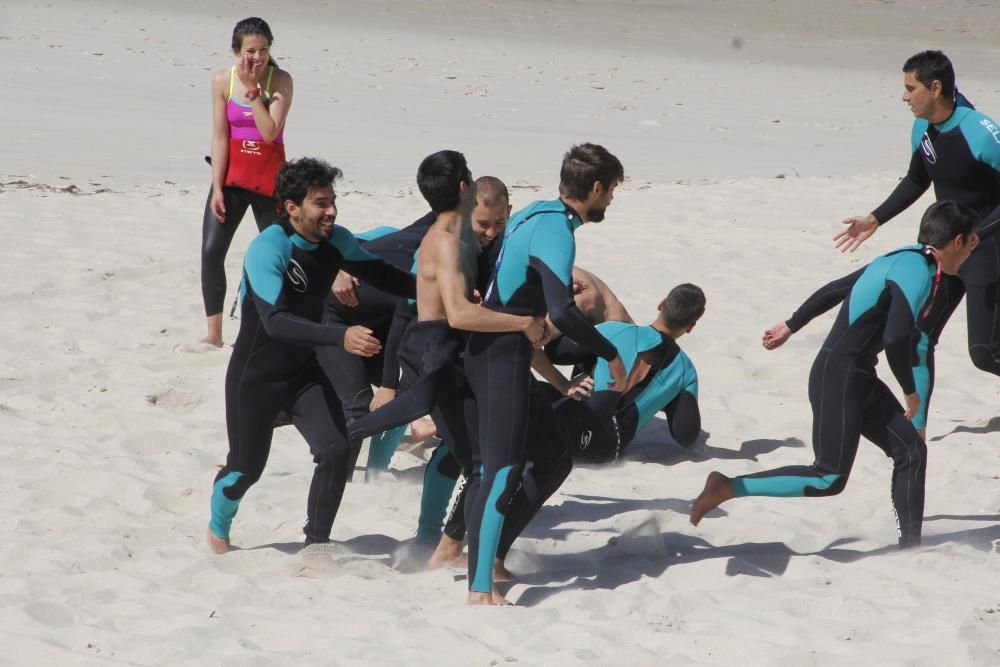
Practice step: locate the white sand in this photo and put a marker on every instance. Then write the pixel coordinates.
(111, 429)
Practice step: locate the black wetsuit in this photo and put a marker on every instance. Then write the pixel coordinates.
(598, 428)
(353, 376)
(273, 369)
(961, 158)
(216, 238)
(532, 277)
(849, 400)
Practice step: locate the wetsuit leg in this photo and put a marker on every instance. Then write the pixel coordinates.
(549, 464)
(440, 475)
(885, 425)
(498, 367)
(265, 210)
(216, 239)
(684, 419)
(837, 391)
(317, 414)
(949, 296)
(981, 276)
(455, 419)
(251, 410)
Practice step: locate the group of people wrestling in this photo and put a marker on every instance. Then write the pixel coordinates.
(466, 315)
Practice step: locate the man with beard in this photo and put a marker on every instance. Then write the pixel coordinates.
(287, 273)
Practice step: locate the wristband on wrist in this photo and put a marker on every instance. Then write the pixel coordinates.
(252, 94)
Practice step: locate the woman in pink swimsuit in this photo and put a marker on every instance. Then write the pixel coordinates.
(250, 101)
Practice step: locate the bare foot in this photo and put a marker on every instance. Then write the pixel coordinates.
(422, 429)
(214, 336)
(500, 571)
(499, 599)
(219, 545)
(479, 598)
(447, 552)
(718, 489)
(494, 598)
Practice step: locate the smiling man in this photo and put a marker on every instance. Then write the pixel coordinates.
(287, 274)
(957, 149)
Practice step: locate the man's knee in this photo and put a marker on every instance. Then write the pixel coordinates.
(826, 485)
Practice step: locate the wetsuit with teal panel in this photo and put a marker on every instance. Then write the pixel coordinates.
(273, 369)
(961, 158)
(533, 277)
(353, 376)
(849, 400)
(603, 424)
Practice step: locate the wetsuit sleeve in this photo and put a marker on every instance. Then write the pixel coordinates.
(264, 267)
(551, 255)
(898, 339)
(564, 351)
(401, 318)
(369, 268)
(909, 190)
(684, 418)
(823, 300)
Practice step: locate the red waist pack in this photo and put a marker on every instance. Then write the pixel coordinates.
(254, 164)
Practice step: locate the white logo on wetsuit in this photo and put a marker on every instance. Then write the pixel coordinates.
(297, 276)
(928, 149)
(585, 439)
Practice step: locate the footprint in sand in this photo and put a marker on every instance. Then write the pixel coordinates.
(175, 400)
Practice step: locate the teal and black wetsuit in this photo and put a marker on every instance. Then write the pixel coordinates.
(599, 427)
(602, 425)
(274, 369)
(961, 157)
(532, 277)
(848, 399)
(353, 376)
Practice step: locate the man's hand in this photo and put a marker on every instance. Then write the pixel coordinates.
(382, 396)
(343, 289)
(859, 229)
(912, 405)
(776, 336)
(360, 341)
(536, 330)
(618, 375)
(579, 387)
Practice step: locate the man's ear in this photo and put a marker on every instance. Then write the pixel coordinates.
(291, 208)
(936, 88)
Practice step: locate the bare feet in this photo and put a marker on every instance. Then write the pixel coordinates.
(447, 552)
(499, 599)
(422, 429)
(500, 571)
(215, 342)
(494, 598)
(718, 489)
(219, 545)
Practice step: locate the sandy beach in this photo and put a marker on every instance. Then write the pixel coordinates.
(747, 133)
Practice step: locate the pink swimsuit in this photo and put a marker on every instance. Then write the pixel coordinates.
(241, 123)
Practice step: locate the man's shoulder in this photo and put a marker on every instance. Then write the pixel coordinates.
(982, 134)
